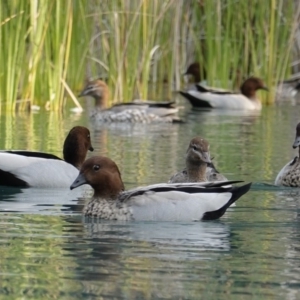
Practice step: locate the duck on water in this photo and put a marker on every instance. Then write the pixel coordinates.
(289, 175)
(211, 98)
(131, 112)
(199, 167)
(159, 202)
(21, 168)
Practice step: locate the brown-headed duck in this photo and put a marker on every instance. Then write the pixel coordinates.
(132, 112)
(210, 98)
(159, 202)
(38, 169)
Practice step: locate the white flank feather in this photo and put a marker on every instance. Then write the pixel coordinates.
(175, 206)
(39, 172)
(229, 101)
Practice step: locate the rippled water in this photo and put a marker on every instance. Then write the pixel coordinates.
(48, 250)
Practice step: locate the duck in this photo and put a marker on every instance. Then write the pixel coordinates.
(287, 89)
(211, 98)
(21, 168)
(194, 70)
(289, 175)
(158, 202)
(199, 167)
(133, 112)
(199, 75)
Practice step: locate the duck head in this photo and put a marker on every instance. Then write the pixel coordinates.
(99, 90)
(76, 146)
(194, 70)
(251, 85)
(103, 175)
(198, 151)
(297, 138)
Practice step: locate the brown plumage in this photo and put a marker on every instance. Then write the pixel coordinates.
(133, 112)
(199, 167)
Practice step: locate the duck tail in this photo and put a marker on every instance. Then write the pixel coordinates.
(195, 101)
(177, 120)
(202, 89)
(237, 192)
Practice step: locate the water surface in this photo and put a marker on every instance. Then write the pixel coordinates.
(48, 250)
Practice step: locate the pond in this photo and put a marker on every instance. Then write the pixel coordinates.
(48, 250)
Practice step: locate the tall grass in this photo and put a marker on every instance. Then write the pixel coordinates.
(37, 39)
(137, 45)
(246, 38)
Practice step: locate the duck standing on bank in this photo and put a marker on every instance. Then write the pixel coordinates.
(38, 169)
(159, 202)
(199, 167)
(289, 175)
(132, 112)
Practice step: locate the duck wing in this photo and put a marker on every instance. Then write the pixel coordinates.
(183, 202)
(206, 89)
(32, 154)
(195, 100)
(212, 174)
(150, 103)
(289, 174)
(21, 170)
(160, 109)
(217, 100)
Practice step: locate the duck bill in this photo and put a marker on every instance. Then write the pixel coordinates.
(91, 148)
(82, 93)
(265, 88)
(296, 142)
(80, 180)
(206, 157)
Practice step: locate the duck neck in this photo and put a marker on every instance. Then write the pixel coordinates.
(196, 172)
(74, 153)
(101, 102)
(106, 196)
(249, 91)
(197, 77)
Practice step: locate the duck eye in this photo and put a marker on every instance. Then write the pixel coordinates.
(195, 148)
(96, 167)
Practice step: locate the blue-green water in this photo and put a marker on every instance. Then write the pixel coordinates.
(48, 250)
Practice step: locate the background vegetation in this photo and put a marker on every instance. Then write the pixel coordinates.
(49, 48)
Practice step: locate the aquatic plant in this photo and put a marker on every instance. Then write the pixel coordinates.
(50, 47)
(238, 39)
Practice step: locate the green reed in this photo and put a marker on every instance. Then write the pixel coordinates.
(50, 47)
(13, 17)
(246, 38)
